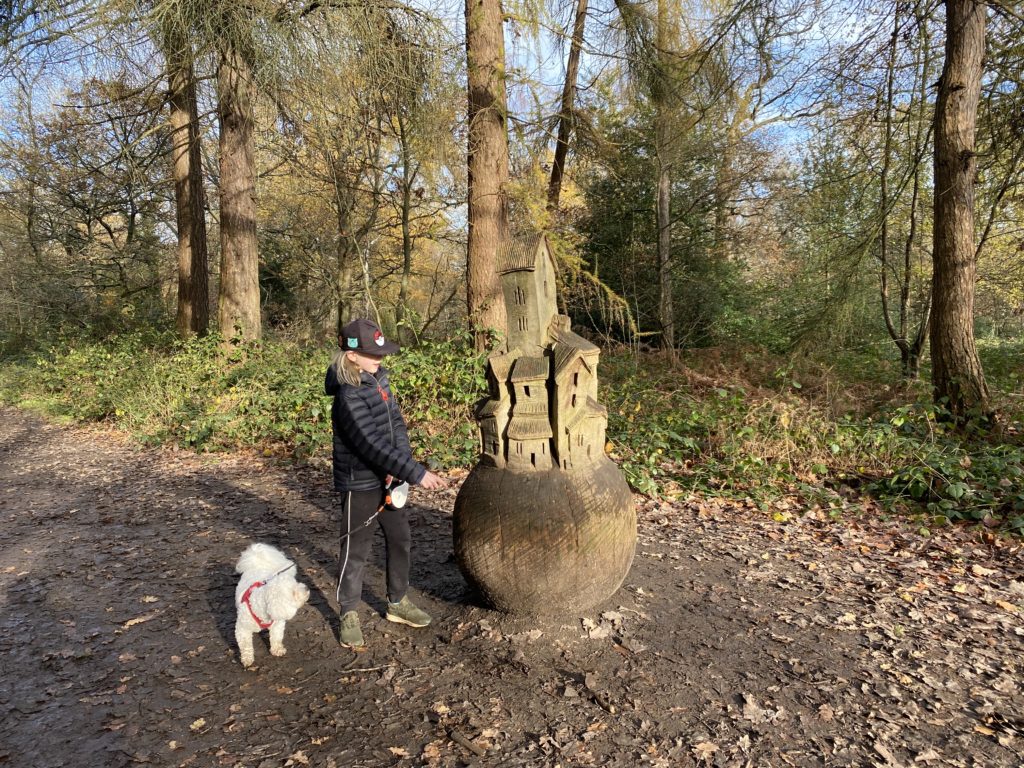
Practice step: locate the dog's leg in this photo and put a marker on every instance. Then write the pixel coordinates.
(277, 638)
(244, 639)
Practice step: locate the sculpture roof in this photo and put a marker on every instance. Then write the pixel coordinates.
(564, 336)
(490, 408)
(532, 408)
(519, 253)
(564, 354)
(568, 345)
(590, 410)
(530, 369)
(501, 363)
(529, 428)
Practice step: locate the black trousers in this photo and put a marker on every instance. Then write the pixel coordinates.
(357, 508)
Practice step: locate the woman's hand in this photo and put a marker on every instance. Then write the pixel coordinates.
(432, 482)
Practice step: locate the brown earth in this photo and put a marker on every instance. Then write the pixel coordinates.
(737, 639)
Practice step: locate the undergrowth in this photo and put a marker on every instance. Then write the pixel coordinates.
(267, 395)
(744, 425)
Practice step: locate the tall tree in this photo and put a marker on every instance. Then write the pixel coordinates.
(662, 140)
(239, 302)
(907, 114)
(566, 115)
(957, 375)
(193, 314)
(654, 64)
(487, 165)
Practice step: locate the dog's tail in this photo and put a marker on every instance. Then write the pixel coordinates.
(261, 557)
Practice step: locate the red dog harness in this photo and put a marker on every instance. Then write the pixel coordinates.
(245, 599)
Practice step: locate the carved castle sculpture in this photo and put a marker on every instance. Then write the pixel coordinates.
(542, 412)
(544, 523)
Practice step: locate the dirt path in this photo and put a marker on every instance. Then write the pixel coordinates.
(736, 640)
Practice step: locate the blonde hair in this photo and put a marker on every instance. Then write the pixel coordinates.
(346, 369)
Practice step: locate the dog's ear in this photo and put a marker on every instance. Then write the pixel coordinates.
(300, 593)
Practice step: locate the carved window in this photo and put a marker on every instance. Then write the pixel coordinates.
(526, 390)
(519, 447)
(520, 297)
(573, 403)
(579, 439)
(576, 379)
(524, 324)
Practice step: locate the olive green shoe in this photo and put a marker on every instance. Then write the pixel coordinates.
(404, 612)
(351, 635)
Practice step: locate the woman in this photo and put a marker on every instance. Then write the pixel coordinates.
(371, 451)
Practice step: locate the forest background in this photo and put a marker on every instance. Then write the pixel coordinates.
(745, 200)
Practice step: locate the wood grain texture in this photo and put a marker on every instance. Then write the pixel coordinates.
(545, 542)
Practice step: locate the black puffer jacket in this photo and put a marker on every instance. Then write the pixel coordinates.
(370, 438)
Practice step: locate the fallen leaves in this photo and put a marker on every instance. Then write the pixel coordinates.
(807, 619)
(705, 751)
(140, 619)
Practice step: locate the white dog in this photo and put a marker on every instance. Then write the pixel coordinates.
(267, 597)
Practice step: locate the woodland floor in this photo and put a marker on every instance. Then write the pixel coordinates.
(735, 641)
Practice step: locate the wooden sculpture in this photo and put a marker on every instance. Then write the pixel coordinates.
(545, 521)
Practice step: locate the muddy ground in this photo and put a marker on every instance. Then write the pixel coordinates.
(740, 638)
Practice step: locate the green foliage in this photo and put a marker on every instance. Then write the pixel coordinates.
(674, 436)
(619, 237)
(751, 430)
(266, 395)
(439, 382)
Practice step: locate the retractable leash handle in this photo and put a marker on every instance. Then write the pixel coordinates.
(396, 496)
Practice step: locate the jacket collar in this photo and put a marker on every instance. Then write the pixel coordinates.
(379, 378)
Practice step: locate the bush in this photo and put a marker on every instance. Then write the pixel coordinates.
(672, 430)
(672, 435)
(267, 394)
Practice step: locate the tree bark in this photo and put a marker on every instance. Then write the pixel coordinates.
(239, 305)
(346, 276)
(193, 317)
(566, 120)
(666, 313)
(488, 166)
(957, 376)
(409, 171)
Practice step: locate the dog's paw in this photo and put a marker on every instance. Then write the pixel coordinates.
(246, 661)
(281, 651)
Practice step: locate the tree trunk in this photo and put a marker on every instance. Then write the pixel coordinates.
(345, 277)
(488, 166)
(405, 333)
(239, 306)
(346, 280)
(565, 115)
(666, 314)
(190, 197)
(957, 376)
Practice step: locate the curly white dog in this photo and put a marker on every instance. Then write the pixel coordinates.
(267, 597)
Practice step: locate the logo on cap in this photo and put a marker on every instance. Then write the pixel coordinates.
(378, 338)
(352, 343)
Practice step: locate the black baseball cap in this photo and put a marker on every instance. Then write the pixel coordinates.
(362, 335)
